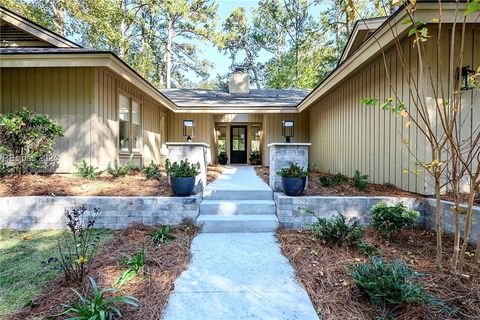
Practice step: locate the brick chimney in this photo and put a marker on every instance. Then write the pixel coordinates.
(239, 82)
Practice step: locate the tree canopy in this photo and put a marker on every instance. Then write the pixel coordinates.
(280, 43)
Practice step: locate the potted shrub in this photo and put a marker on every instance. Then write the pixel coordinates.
(294, 179)
(255, 158)
(182, 176)
(222, 158)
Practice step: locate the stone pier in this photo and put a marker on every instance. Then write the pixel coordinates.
(194, 152)
(281, 155)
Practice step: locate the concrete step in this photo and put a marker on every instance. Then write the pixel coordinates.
(236, 207)
(222, 194)
(238, 223)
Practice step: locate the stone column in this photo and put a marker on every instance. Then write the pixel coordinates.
(281, 155)
(194, 152)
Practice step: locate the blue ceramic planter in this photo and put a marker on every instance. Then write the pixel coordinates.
(182, 187)
(293, 186)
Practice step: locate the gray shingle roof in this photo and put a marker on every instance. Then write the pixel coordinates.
(39, 50)
(218, 98)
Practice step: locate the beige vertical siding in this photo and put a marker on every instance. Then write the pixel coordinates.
(346, 135)
(108, 86)
(272, 130)
(63, 93)
(204, 128)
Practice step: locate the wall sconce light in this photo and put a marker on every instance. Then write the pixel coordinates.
(466, 78)
(189, 129)
(288, 128)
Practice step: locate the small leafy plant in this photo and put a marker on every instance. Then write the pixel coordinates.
(222, 158)
(333, 180)
(388, 219)
(294, 171)
(86, 171)
(99, 304)
(78, 246)
(184, 169)
(135, 265)
(163, 235)
(152, 171)
(255, 158)
(360, 181)
(117, 171)
(387, 283)
(337, 230)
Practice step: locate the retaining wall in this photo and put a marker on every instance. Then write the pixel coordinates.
(25, 213)
(291, 213)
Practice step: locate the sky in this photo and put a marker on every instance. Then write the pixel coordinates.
(221, 62)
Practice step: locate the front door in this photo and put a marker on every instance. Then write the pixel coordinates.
(238, 143)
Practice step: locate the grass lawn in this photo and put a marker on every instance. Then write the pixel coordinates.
(25, 267)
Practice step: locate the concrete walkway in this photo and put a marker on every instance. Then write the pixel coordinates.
(238, 276)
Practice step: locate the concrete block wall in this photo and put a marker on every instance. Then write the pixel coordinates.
(281, 156)
(448, 218)
(291, 213)
(291, 216)
(26, 213)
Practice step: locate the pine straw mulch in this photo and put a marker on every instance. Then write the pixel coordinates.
(132, 185)
(164, 264)
(213, 172)
(322, 270)
(315, 187)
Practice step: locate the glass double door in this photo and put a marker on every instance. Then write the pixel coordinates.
(238, 143)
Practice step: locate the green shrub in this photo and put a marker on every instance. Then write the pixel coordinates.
(99, 304)
(255, 158)
(28, 139)
(152, 171)
(360, 181)
(135, 265)
(4, 168)
(116, 170)
(79, 244)
(184, 169)
(163, 235)
(387, 283)
(337, 230)
(388, 219)
(294, 171)
(222, 158)
(333, 180)
(86, 171)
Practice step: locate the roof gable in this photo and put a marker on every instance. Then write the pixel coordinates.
(361, 32)
(18, 31)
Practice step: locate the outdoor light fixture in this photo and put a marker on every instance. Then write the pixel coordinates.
(189, 129)
(466, 75)
(288, 129)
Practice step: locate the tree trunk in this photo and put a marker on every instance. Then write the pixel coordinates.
(59, 13)
(438, 222)
(122, 51)
(466, 236)
(456, 212)
(168, 56)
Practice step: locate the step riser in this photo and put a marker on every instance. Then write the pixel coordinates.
(236, 209)
(238, 226)
(237, 195)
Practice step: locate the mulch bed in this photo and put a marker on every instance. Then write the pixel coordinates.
(134, 184)
(315, 187)
(164, 264)
(323, 272)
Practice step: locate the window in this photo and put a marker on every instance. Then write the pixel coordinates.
(256, 135)
(221, 139)
(130, 124)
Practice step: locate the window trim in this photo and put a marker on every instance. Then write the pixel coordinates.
(131, 98)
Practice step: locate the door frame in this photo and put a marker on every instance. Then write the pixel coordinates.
(245, 152)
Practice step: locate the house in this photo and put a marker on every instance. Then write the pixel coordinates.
(108, 111)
